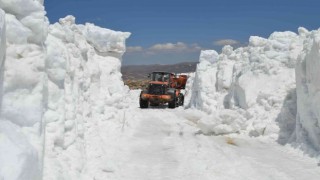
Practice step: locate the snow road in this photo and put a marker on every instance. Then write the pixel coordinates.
(165, 144)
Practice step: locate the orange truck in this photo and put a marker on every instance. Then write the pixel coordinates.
(163, 87)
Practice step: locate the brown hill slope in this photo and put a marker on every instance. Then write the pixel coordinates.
(140, 72)
(136, 76)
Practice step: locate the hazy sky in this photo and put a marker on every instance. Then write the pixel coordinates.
(171, 31)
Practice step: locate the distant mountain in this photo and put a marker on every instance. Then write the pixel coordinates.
(140, 72)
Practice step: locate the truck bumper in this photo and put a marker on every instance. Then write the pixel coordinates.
(156, 98)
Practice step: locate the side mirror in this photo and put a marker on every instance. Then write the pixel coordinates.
(149, 75)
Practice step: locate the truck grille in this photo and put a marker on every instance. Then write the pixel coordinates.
(157, 89)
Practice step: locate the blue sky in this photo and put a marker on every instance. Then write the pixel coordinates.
(172, 31)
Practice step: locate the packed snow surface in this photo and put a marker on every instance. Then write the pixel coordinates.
(161, 143)
(66, 114)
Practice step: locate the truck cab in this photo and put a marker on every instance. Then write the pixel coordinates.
(163, 87)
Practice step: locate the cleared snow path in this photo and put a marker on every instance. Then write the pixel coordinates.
(152, 144)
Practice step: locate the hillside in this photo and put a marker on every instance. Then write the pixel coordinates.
(140, 72)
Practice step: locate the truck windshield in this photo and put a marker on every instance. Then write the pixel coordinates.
(164, 77)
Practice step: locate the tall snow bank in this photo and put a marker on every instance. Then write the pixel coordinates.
(2, 51)
(308, 92)
(105, 40)
(243, 90)
(60, 81)
(84, 88)
(203, 87)
(23, 79)
(27, 20)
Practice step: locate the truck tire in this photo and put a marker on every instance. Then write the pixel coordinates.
(143, 103)
(172, 104)
(181, 99)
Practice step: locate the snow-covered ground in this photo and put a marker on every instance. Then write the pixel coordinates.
(161, 143)
(250, 113)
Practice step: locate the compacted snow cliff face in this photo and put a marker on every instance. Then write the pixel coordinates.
(2, 50)
(58, 80)
(244, 89)
(23, 30)
(253, 89)
(308, 92)
(84, 86)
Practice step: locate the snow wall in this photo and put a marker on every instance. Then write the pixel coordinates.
(252, 90)
(243, 90)
(308, 92)
(2, 50)
(84, 87)
(58, 81)
(23, 80)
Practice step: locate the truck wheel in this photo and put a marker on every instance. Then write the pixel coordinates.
(172, 104)
(143, 103)
(181, 99)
